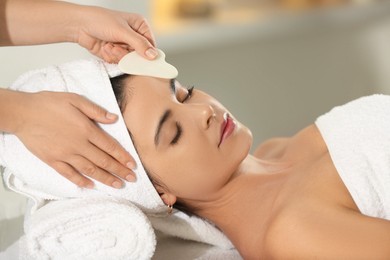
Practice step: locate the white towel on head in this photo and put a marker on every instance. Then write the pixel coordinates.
(88, 228)
(357, 135)
(26, 174)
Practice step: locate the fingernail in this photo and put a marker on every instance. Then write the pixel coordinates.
(117, 184)
(151, 53)
(130, 177)
(131, 165)
(110, 116)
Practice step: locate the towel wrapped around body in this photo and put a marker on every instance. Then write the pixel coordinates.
(357, 135)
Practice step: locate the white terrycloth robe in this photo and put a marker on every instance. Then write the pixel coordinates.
(358, 139)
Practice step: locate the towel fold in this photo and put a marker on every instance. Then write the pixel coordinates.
(192, 228)
(357, 135)
(26, 174)
(88, 228)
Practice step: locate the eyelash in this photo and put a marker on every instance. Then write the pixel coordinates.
(178, 126)
(189, 94)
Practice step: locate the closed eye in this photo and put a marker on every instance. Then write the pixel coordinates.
(189, 93)
(178, 134)
(179, 129)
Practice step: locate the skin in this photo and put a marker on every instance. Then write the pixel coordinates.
(59, 128)
(286, 201)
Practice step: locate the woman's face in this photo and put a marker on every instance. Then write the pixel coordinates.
(189, 142)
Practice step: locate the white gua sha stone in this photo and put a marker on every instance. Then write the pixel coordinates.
(134, 64)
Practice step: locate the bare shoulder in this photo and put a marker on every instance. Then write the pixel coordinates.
(306, 142)
(327, 233)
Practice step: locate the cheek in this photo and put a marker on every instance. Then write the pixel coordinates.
(196, 170)
(195, 174)
(189, 173)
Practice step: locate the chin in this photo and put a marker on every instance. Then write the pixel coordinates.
(248, 139)
(244, 134)
(242, 144)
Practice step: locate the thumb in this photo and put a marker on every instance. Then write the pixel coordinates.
(93, 111)
(141, 45)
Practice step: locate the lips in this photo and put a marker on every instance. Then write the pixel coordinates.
(227, 128)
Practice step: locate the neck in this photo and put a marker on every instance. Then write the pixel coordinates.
(245, 205)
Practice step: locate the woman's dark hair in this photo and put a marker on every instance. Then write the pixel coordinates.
(119, 86)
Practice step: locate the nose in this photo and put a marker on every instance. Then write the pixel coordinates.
(204, 113)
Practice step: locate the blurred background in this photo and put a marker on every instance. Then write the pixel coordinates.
(276, 64)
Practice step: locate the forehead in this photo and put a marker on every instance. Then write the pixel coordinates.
(143, 84)
(146, 99)
(141, 91)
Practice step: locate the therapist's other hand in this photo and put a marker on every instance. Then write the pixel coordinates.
(111, 34)
(58, 129)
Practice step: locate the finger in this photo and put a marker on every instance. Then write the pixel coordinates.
(106, 53)
(141, 44)
(107, 163)
(116, 52)
(92, 110)
(109, 145)
(140, 25)
(87, 168)
(71, 174)
(122, 45)
(145, 31)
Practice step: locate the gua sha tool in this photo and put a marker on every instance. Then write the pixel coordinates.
(134, 64)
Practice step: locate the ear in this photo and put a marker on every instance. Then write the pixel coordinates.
(168, 198)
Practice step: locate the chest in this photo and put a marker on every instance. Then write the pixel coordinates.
(317, 182)
(313, 173)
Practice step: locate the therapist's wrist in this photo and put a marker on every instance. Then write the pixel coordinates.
(82, 17)
(74, 19)
(12, 110)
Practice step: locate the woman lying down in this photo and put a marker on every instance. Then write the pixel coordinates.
(322, 193)
(288, 199)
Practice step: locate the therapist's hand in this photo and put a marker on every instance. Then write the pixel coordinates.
(111, 34)
(105, 33)
(57, 128)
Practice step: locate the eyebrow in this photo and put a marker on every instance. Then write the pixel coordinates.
(165, 116)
